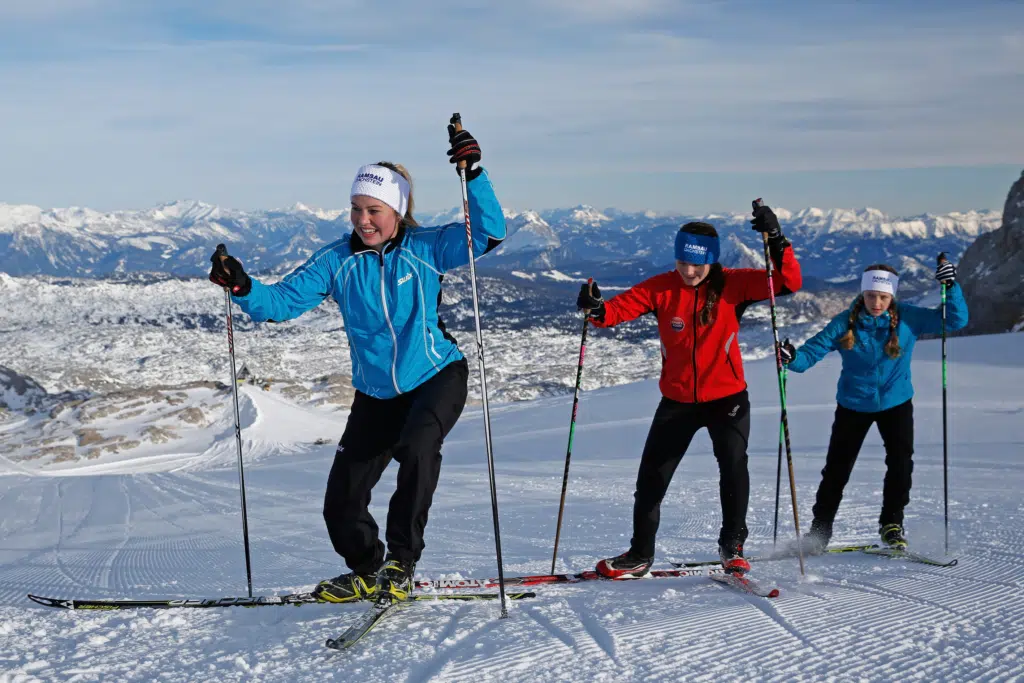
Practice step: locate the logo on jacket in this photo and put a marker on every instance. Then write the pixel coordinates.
(404, 279)
(677, 324)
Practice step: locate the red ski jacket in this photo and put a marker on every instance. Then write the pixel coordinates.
(699, 362)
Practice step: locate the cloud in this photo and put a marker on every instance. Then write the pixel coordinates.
(265, 103)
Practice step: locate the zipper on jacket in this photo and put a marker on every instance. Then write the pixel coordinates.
(387, 317)
(696, 299)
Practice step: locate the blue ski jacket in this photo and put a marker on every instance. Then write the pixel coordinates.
(870, 381)
(388, 299)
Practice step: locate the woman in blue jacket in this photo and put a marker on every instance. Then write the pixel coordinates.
(875, 338)
(409, 375)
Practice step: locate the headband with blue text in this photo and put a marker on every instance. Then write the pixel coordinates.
(696, 249)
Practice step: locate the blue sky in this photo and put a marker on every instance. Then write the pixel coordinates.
(672, 106)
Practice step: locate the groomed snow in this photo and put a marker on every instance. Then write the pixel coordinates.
(141, 530)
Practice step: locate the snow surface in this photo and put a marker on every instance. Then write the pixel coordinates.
(162, 526)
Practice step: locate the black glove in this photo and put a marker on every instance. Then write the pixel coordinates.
(590, 299)
(787, 352)
(464, 148)
(945, 273)
(227, 271)
(766, 221)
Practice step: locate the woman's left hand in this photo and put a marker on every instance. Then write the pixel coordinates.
(464, 147)
(946, 273)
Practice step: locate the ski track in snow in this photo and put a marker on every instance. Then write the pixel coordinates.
(134, 532)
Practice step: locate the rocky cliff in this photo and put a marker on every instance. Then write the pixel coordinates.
(992, 271)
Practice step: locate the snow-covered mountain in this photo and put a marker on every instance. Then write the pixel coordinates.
(177, 238)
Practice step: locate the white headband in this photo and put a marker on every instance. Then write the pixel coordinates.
(384, 184)
(879, 281)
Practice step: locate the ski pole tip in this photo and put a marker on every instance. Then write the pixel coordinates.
(757, 203)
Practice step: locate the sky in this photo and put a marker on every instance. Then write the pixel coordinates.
(677, 106)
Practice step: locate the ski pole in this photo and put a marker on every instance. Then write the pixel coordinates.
(456, 122)
(945, 447)
(572, 429)
(222, 253)
(778, 473)
(758, 203)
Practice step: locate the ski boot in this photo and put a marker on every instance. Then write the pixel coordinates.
(394, 580)
(347, 588)
(733, 561)
(892, 536)
(625, 566)
(816, 540)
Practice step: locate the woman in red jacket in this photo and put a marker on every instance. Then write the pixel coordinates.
(698, 306)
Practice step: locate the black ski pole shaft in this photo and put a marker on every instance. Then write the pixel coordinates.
(572, 431)
(945, 441)
(778, 475)
(456, 121)
(757, 203)
(222, 253)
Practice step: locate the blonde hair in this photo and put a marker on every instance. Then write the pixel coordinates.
(892, 347)
(407, 220)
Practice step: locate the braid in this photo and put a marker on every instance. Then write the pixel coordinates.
(716, 283)
(847, 340)
(892, 347)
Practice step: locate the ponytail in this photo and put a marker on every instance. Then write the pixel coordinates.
(716, 283)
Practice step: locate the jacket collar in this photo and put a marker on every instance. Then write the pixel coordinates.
(355, 243)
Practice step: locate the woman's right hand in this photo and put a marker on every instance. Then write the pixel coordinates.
(227, 271)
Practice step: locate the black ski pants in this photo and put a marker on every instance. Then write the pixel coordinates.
(896, 426)
(409, 428)
(675, 424)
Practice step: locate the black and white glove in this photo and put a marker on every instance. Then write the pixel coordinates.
(227, 271)
(590, 299)
(787, 352)
(945, 273)
(464, 147)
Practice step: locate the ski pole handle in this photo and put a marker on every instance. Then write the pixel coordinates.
(456, 122)
(757, 204)
(590, 290)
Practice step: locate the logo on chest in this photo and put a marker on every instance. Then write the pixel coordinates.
(405, 278)
(677, 324)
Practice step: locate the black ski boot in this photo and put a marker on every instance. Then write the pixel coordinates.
(731, 553)
(394, 580)
(347, 587)
(892, 536)
(625, 566)
(816, 540)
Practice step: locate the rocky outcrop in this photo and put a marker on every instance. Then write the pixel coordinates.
(19, 392)
(992, 271)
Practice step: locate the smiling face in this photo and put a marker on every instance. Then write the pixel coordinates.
(692, 274)
(374, 221)
(877, 303)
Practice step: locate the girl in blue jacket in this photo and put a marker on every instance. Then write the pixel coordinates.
(875, 338)
(409, 375)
